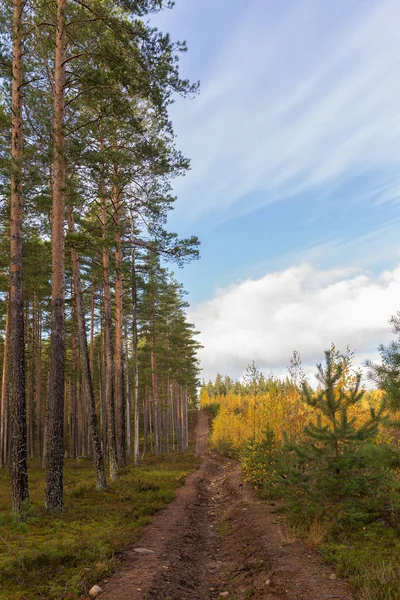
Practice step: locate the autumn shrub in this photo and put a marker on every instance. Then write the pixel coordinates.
(261, 463)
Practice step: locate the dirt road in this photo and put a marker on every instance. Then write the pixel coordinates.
(216, 539)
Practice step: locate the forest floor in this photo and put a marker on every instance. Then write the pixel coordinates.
(217, 539)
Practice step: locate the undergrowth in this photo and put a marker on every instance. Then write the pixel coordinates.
(60, 557)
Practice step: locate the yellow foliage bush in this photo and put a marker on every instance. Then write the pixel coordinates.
(245, 418)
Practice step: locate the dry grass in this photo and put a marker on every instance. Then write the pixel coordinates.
(382, 583)
(317, 533)
(289, 535)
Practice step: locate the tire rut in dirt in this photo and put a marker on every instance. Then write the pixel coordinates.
(187, 570)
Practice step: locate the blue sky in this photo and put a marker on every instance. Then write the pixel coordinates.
(295, 148)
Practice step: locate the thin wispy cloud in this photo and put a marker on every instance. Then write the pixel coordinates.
(296, 100)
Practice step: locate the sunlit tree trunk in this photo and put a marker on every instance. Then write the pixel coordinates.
(127, 396)
(118, 352)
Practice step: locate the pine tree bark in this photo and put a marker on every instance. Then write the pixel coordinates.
(136, 455)
(146, 416)
(154, 379)
(119, 378)
(54, 493)
(73, 404)
(19, 466)
(85, 365)
(156, 408)
(92, 307)
(38, 380)
(178, 406)
(102, 382)
(172, 415)
(127, 396)
(32, 373)
(5, 393)
(185, 419)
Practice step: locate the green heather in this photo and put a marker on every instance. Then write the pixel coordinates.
(60, 557)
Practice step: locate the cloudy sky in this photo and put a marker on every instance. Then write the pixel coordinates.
(295, 180)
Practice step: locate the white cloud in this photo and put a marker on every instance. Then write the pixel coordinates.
(295, 102)
(299, 308)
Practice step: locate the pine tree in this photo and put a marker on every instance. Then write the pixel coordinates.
(330, 466)
(54, 494)
(19, 467)
(387, 374)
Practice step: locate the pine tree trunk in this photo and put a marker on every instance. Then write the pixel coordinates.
(145, 420)
(119, 380)
(73, 404)
(54, 494)
(46, 412)
(136, 454)
(85, 365)
(32, 384)
(154, 381)
(5, 395)
(91, 355)
(128, 398)
(38, 381)
(185, 419)
(167, 418)
(112, 443)
(156, 408)
(178, 419)
(82, 447)
(19, 466)
(102, 377)
(172, 414)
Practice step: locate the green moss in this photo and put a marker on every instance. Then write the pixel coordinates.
(59, 557)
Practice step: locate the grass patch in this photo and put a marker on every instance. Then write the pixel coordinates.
(368, 558)
(60, 557)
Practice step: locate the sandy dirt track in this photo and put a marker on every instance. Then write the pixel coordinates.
(217, 537)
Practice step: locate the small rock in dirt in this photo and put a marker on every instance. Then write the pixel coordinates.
(224, 594)
(95, 591)
(143, 551)
(268, 582)
(333, 576)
